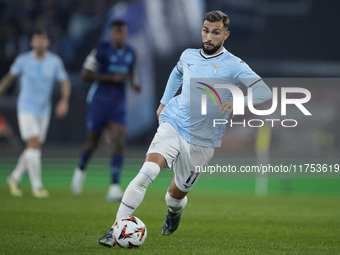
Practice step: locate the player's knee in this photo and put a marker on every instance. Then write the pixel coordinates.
(147, 174)
(33, 143)
(118, 146)
(118, 140)
(90, 146)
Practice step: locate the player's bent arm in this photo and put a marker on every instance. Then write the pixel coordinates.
(90, 76)
(6, 82)
(174, 82)
(261, 93)
(86, 75)
(65, 88)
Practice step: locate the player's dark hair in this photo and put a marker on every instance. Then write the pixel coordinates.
(118, 23)
(215, 16)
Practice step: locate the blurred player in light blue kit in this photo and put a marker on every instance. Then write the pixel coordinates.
(38, 69)
(109, 67)
(181, 142)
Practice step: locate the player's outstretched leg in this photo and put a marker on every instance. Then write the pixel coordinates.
(133, 195)
(107, 239)
(173, 216)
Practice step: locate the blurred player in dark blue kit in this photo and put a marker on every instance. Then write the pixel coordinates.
(110, 66)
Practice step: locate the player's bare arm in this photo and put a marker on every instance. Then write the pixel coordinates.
(90, 76)
(134, 79)
(159, 110)
(6, 82)
(63, 104)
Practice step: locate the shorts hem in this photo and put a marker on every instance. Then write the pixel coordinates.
(167, 162)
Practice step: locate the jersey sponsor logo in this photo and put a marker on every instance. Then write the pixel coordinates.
(216, 68)
(188, 64)
(118, 68)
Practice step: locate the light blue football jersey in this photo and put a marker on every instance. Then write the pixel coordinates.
(193, 69)
(37, 78)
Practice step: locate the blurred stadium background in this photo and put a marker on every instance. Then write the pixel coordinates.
(277, 38)
(287, 42)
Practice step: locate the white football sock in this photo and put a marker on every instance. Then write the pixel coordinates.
(20, 168)
(134, 193)
(175, 205)
(33, 161)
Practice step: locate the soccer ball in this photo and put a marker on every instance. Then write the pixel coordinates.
(129, 232)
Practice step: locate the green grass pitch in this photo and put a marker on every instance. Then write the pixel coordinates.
(223, 216)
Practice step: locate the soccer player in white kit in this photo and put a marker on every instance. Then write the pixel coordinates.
(185, 140)
(38, 70)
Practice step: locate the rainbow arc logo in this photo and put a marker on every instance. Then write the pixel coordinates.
(204, 97)
(209, 93)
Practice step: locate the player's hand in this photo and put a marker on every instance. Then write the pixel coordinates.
(62, 108)
(137, 87)
(159, 110)
(227, 106)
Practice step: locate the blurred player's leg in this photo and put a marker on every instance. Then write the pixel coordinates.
(33, 163)
(91, 143)
(33, 131)
(15, 178)
(117, 134)
(14, 187)
(20, 168)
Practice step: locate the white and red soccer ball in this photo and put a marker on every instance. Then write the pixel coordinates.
(129, 232)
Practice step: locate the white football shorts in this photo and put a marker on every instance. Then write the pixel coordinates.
(32, 126)
(183, 156)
